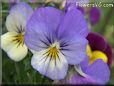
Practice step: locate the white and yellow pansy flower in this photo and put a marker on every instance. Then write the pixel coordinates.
(12, 42)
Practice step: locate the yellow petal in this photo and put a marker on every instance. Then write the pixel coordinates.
(98, 55)
(89, 51)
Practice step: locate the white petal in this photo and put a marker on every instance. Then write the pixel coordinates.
(18, 16)
(14, 51)
(79, 70)
(17, 53)
(47, 66)
(6, 40)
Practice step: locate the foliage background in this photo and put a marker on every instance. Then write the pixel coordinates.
(23, 73)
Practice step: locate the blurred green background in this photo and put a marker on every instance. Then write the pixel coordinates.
(23, 73)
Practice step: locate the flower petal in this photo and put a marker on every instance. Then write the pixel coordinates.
(18, 16)
(77, 79)
(6, 40)
(79, 70)
(41, 27)
(49, 16)
(84, 64)
(73, 23)
(108, 52)
(96, 41)
(98, 71)
(15, 52)
(98, 55)
(81, 9)
(72, 4)
(48, 66)
(74, 49)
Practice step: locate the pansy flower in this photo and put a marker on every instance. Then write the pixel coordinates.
(56, 40)
(96, 73)
(12, 42)
(94, 69)
(98, 48)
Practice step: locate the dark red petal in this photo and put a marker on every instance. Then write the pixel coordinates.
(96, 41)
(108, 52)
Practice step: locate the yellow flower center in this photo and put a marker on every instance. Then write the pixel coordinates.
(19, 39)
(53, 50)
(94, 55)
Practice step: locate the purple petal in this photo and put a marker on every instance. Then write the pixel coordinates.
(96, 73)
(108, 52)
(13, 2)
(94, 15)
(22, 8)
(74, 49)
(96, 41)
(41, 27)
(71, 33)
(73, 23)
(49, 16)
(71, 4)
(18, 17)
(84, 64)
(99, 71)
(77, 1)
(77, 79)
(81, 9)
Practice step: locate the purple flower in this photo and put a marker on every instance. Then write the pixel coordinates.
(97, 43)
(96, 73)
(56, 40)
(93, 70)
(95, 15)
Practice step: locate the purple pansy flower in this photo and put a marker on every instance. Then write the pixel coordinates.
(96, 73)
(56, 40)
(98, 43)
